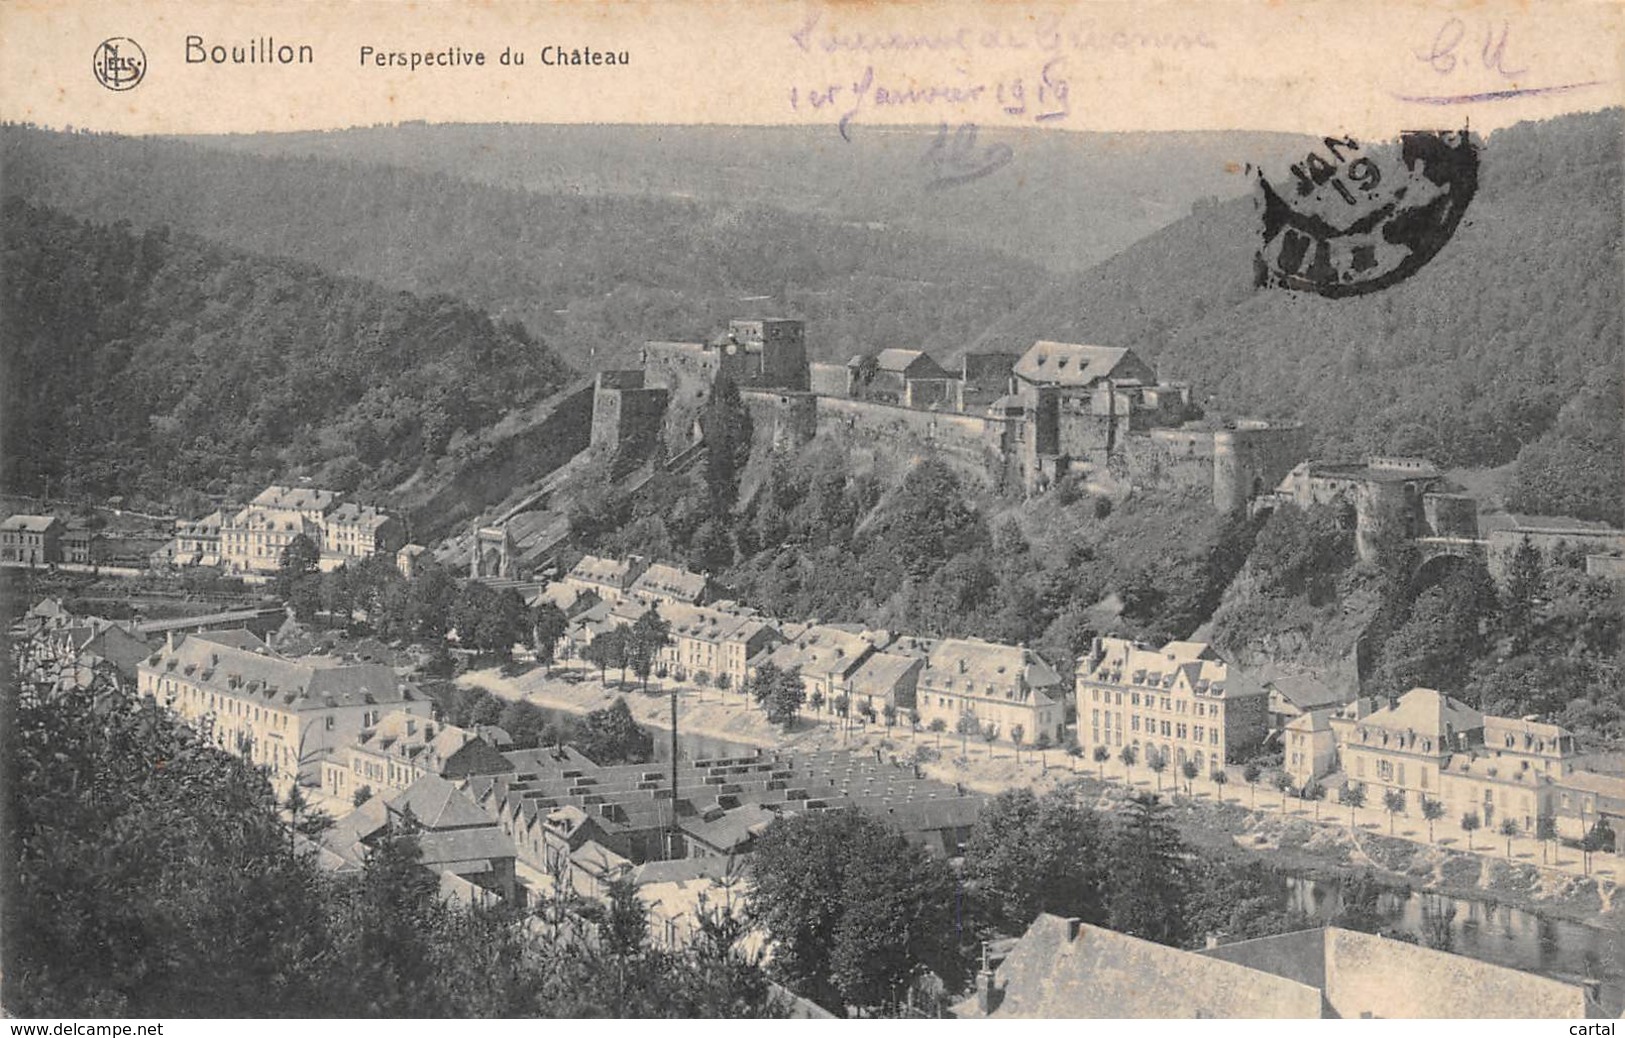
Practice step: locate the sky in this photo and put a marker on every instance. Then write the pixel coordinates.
(1367, 69)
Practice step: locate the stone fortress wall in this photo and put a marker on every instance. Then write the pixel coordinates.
(1030, 436)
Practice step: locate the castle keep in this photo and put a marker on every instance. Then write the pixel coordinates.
(1028, 420)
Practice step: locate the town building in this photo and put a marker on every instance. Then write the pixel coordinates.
(1405, 743)
(285, 714)
(1182, 700)
(567, 815)
(1006, 686)
(610, 579)
(1587, 798)
(887, 679)
(351, 532)
(253, 539)
(31, 540)
(708, 646)
(1385, 500)
(1062, 968)
(409, 559)
(197, 541)
(909, 378)
(403, 747)
(826, 656)
(1428, 744)
(78, 541)
(666, 583)
(454, 836)
(984, 378)
(1309, 747)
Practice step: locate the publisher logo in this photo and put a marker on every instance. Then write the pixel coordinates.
(119, 63)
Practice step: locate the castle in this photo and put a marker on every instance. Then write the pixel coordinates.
(1027, 421)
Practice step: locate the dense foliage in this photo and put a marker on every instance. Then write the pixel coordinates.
(143, 362)
(150, 874)
(1466, 362)
(855, 911)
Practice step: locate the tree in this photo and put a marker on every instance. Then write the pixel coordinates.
(785, 697)
(303, 820)
(120, 821)
(649, 634)
(913, 721)
(990, 735)
(1127, 756)
(361, 796)
(1042, 745)
(301, 558)
(1393, 801)
(968, 726)
(1283, 783)
(1470, 824)
(612, 736)
(1352, 794)
(1190, 771)
(1251, 773)
(725, 426)
(1157, 761)
(1509, 829)
(853, 909)
(1432, 810)
(889, 712)
(938, 726)
(1314, 791)
(625, 929)
(1147, 882)
(1017, 733)
(1221, 778)
(548, 625)
(1101, 755)
(816, 700)
(1525, 582)
(606, 650)
(1546, 833)
(1029, 854)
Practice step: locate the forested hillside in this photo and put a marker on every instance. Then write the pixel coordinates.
(145, 362)
(594, 276)
(1467, 362)
(913, 179)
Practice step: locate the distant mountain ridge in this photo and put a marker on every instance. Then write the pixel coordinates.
(1063, 200)
(595, 276)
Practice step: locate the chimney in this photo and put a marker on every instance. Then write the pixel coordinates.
(1073, 925)
(987, 992)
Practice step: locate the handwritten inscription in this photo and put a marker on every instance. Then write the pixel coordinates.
(1045, 96)
(1453, 51)
(1481, 57)
(956, 159)
(1051, 32)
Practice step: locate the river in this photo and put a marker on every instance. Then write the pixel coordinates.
(1500, 934)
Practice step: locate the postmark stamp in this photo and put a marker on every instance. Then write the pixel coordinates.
(1350, 219)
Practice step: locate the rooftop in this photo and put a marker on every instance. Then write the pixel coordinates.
(29, 523)
(237, 664)
(1069, 363)
(295, 498)
(1061, 968)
